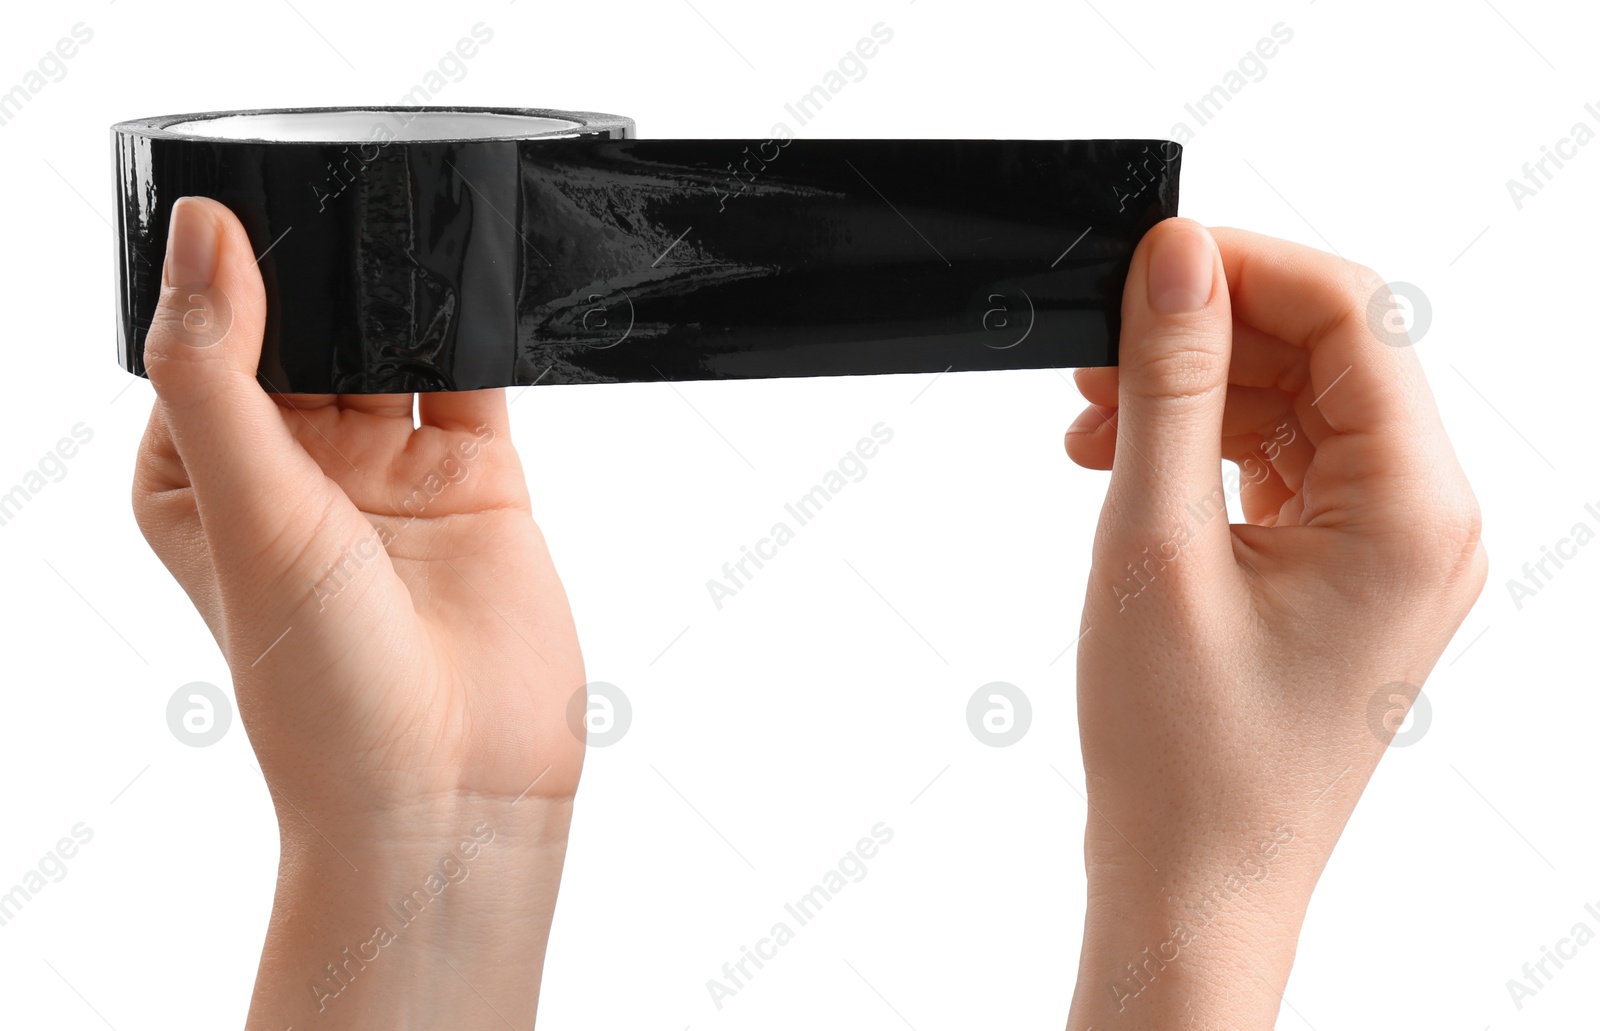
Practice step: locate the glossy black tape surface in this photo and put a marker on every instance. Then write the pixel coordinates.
(462, 264)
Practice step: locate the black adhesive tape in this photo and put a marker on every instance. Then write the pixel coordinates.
(408, 249)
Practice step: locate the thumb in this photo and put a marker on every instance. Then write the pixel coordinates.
(252, 480)
(1177, 335)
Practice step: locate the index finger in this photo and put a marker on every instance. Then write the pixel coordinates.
(1360, 382)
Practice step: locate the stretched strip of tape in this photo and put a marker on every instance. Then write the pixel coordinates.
(456, 249)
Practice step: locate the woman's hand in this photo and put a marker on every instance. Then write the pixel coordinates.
(402, 653)
(1236, 682)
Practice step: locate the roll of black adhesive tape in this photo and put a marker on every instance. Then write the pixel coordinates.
(419, 249)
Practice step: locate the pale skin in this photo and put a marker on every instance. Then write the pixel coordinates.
(1226, 707)
(405, 661)
(418, 694)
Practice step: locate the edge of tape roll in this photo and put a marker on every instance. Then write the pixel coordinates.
(420, 249)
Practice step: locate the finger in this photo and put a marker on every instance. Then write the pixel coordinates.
(1098, 386)
(393, 405)
(1265, 413)
(1254, 410)
(1262, 360)
(1092, 438)
(1258, 360)
(1262, 492)
(1269, 416)
(1309, 416)
(1366, 407)
(398, 406)
(255, 488)
(474, 411)
(1320, 302)
(164, 508)
(158, 469)
(1260, 364)
(1173, 379)
(1289, 450)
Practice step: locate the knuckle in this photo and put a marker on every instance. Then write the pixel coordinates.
(1362, 284)
(183, 375)
(1366, 276)
(190, 319)
(1463, 561)
(1446, 552)
(142, 512)
(1457, 522)
(1179, 373)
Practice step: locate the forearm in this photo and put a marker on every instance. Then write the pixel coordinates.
(436, 917)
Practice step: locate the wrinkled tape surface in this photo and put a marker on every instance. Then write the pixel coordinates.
(416, 266)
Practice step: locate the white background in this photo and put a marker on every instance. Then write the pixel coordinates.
(808, 710)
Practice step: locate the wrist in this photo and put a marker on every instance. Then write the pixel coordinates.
(437, 915)
(1192, 935)
(1165, 966)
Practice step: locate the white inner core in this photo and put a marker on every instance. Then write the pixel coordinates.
(361, 126)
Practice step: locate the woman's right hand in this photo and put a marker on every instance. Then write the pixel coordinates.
(1229, 675)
